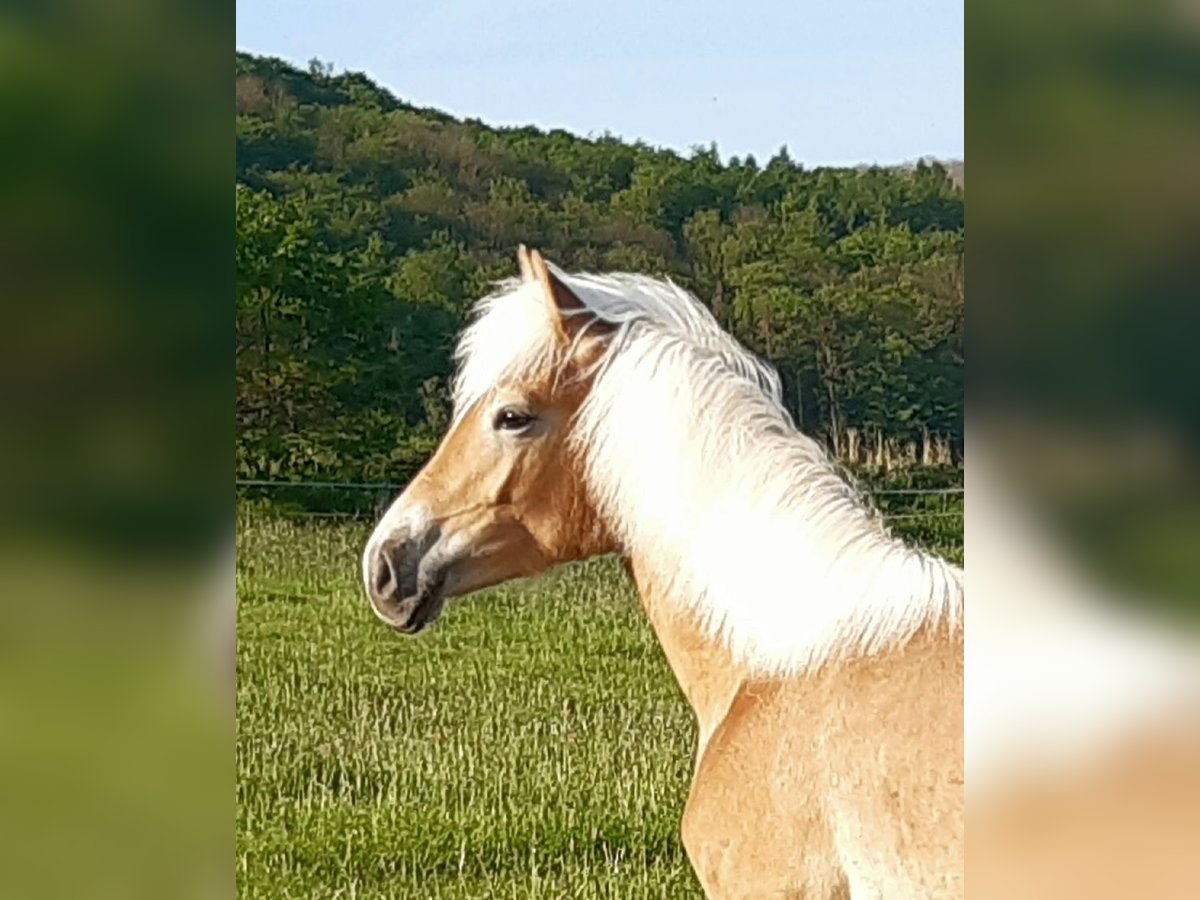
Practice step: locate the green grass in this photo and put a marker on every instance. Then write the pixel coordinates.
(531, 744)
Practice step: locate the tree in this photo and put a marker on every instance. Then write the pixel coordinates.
(367, 227)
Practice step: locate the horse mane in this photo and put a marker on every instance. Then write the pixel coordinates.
(694, 460)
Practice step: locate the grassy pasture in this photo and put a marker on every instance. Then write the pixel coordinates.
(531, 744)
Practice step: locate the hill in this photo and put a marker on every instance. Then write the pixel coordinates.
(366, 226)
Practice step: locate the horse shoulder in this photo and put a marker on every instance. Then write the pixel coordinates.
(754, 828)
(846, 778)
(892, 746)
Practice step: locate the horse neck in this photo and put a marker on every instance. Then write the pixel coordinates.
(707, 673)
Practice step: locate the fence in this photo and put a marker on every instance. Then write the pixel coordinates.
(354, 499)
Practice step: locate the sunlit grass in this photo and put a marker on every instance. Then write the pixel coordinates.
(532, 744)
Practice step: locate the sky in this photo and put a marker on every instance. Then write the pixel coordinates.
(840, 82)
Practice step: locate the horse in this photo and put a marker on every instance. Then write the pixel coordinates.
(822, 657)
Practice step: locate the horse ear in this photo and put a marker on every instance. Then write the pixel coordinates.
(524, 264)
(560, 301)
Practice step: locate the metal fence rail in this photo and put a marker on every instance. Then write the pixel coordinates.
(388, 485)
(341, 485)
(385, 487)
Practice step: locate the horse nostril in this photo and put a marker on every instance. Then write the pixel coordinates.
(383, 574)
(392, 571)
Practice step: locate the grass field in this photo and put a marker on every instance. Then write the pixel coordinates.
(531, 744)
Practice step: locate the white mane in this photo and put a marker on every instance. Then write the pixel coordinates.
(697, 465)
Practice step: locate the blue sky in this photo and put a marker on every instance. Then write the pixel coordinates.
(839, 82)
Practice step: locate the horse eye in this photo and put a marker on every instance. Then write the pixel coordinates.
(512, 420)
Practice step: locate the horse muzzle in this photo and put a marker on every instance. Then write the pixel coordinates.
(404, 582)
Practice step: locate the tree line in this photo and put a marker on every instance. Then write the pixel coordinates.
(366, 227)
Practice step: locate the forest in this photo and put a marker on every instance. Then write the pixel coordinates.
(366, 227)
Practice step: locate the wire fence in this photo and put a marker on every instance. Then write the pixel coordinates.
(389, 485)
(895, 504)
